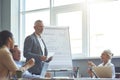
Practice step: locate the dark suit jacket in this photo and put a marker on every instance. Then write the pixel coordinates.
(32, 49)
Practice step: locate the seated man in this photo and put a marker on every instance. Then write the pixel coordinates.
(16, 53)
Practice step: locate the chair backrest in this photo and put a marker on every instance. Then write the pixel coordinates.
(117, 69)
(117, 72)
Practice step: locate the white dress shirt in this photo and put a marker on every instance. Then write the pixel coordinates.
(41, 43)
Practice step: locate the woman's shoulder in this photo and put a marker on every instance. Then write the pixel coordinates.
(110, 64)
(4, 50)
(4, 53)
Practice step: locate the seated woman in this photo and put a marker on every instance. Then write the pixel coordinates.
(8, 67)
(106, 57)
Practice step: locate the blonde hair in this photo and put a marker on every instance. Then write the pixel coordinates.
(109, 53)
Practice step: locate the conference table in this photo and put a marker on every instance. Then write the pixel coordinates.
(69, 79)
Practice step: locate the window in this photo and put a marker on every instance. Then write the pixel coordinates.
(66, 2)
(36, 4)
(31, 17)
(93, 25)
(74, 21)
(104, 28)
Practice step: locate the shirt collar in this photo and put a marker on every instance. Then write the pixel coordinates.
(109, 61)
(38, 36)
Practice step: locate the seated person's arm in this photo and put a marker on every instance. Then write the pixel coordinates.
(90, 64)
(90, 72)
(28, 64)
(9, 63)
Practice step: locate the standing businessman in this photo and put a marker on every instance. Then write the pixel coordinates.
(34, 47)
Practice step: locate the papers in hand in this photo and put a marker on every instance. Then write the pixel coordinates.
(50, 56)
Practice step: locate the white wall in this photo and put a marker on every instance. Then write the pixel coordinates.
(5, 14)
(9, 17)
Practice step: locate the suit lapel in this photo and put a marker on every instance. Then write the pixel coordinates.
(40, 49)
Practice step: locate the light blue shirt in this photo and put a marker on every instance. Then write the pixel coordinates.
(26, 74)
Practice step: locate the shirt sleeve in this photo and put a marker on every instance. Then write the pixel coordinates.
(8, 62)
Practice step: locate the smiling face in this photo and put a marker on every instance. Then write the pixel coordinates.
(38, 26)
(105, 57)
(16, 53)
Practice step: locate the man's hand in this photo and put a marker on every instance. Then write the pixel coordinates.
(43, 58)
(49, 59)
